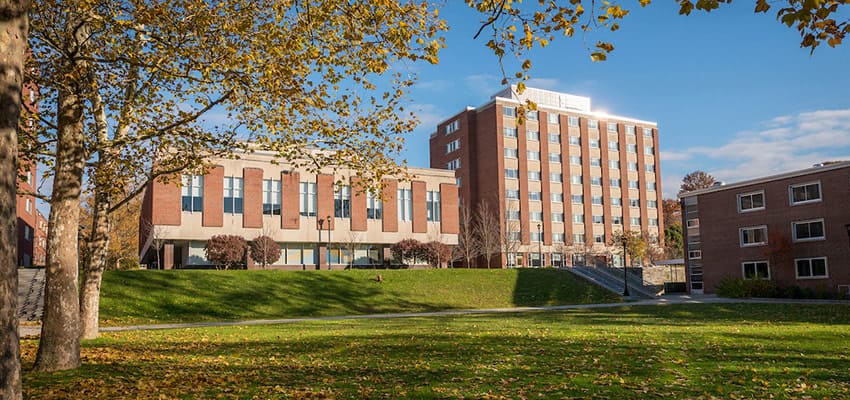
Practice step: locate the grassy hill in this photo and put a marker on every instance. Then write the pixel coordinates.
(144, 297)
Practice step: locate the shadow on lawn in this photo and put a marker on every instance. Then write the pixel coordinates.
(550, 286)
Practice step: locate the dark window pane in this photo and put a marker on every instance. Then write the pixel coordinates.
(197, 204)
(758, 201)
(818, 267)
(802, 230)
(816, 229)
(802, 268)
(228, 204)
(237, 205)
(186, 204)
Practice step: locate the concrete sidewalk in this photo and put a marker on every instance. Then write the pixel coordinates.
(664, 300)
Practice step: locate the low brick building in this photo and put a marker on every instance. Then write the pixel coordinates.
(317, 222)
(792, 228)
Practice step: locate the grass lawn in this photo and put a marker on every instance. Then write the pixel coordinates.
(683, 351)
(145, 297)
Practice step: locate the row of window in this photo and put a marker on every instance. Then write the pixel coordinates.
(537, 216)
(797, 194)
(557, 237)
(534, 155)
(511, 132)
(801, 231)
(554, 118)
(192, 199)
(513, 173)
(513, 194)
(804, 268)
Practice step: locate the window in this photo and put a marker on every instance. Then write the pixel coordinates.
(533, 135)
(693, 223)
(596, 181)
(651, 186)
(271, 197)
(508, 111)
(512, 194)
(453, 126)
(557, 217)
(514, 236)
(652, 203)
(694, 254)
(374, 206)
(307, 199)
(614, 182)
(595, 143)
(634, 202)
(598, 238)
(233, 195)
(634, 221)
(533, 155)
(633, 166)
(509, 132)
(653, 222)
(613, 145)
(649, 150)
(572, 121)
(511, 173)
(535, 196)
(751, 201)
(805, 193)
(405, 205)
(598, 219)
(647, 132)
(634, 184)
(554, 138)
(811, 268)
(632, 148)
(578, 238)
(650, 168)
(756, 270)
(453, 164)
(342, 202)
(616, 201)
(630, 130)
(595, 162)
(614, 164)
(593, 124)
(617, 220)
(556, 197)
(556, 177)
(555, 157)
(597, 200)
(28, 233)
(753, 236)
(575, 140)
(452, 146)
(192, 193)
(512, 215)
(553, 118)
(575, 179)
(535, 237)
(531, 115)
(29, 206)
(578, 218)
(433, 203)
(808, 230)
(575, 160)
(533, 175)
(612, 127)
(557, 238)
(577, 199)
(535, 216)
(511, 153)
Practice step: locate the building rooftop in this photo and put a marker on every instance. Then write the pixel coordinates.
(720, 186)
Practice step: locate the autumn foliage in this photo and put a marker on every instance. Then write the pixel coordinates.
(264, 250)
(227, 251)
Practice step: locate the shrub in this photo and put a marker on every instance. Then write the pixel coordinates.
(744, 288)
(407, 249)
(227, 251)
(264, 250)
(437, 253)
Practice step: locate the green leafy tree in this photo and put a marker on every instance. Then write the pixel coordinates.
(632, 242)
(673, 241)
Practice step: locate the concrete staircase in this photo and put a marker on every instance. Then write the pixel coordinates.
(612, 279)
(30, 294)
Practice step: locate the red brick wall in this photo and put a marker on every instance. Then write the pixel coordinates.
(624, 176)
(420, 212)
(358, 206)
(166, 202)
(213, 213)
(585, 175)
(641, 159)
(606, 178)
(390, 205)
(325, 202)
(449, 222)
(252, 215)
(522, 157)
(544, 178)
(659, 195)
(565, 161)
(290, 207)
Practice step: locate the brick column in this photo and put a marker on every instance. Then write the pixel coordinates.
(606, 179)
(522, 160)
(213, 212)
(166, 202)
(641, 160)
(290, 212)
(420, 213)
(325, 202)
(544, 178)
(658, 193)
(449, 223)
(358, 206)
(390, 206)
(567, 184)
(252, 190)
(585, 175)
(624, 176)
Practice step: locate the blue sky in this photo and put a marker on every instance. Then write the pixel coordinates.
(732, 91)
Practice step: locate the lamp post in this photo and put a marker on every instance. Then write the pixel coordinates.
(320, 222)
(539, 246)
(625, 241)
(328, 218)
(847, 226)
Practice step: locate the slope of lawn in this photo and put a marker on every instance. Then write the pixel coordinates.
(144, 297)
(703, 351)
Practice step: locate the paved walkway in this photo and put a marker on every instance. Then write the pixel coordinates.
(663, 300)
(30, 294)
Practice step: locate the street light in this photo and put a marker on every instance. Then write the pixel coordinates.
(539, 246)
(319, 245)
(625, 241)
(328, 218)
(847, 226)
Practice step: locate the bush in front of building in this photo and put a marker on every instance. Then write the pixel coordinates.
(437, 253)
(408, 250)
(749, 288)
(264, 250)
(226, 251)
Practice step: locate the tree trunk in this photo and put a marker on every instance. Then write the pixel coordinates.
(59, 348)
(13, 39)
(96, 263)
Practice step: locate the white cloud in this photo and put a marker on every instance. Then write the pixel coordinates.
(429, 115)
(543, 83)
(786, 143)
(435, 85)
(483, 84)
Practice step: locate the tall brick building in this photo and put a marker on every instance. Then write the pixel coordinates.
(792, 228)
(563, 182)
(315, 221)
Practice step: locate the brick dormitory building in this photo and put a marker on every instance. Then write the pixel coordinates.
(315, 221)
(567, 177)
(792, 229)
